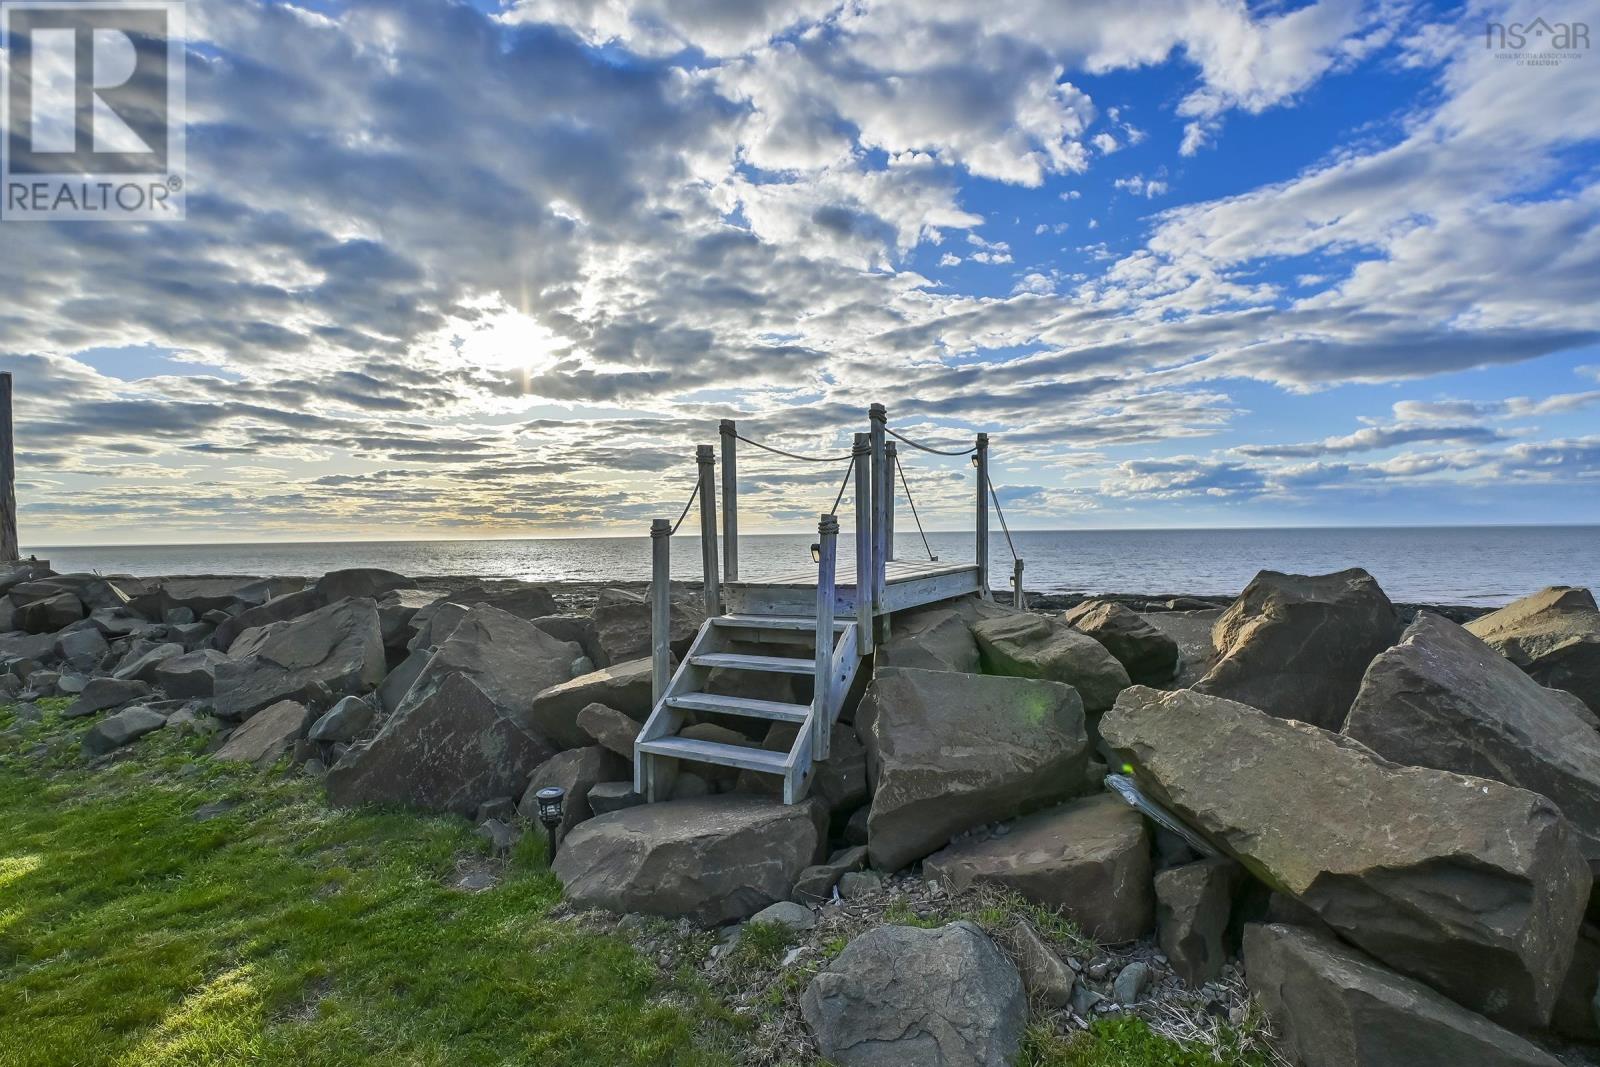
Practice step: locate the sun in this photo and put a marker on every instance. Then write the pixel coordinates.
(509, 340)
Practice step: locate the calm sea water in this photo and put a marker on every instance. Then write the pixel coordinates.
(1461, 565)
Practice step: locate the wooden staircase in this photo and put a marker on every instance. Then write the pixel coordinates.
(724, 643)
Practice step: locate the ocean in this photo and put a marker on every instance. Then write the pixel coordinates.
(1480, 565)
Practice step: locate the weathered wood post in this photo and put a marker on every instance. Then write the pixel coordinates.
(706, 457)
(890, 469)
(981, 456)
(822, 700)
(861, 455)
(660, 608)
(880, 419)
(8, 477)
(1018, 601)
(730, 500)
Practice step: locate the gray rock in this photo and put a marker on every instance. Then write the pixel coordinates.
(840, 781)
(502, 836)
(360, 582)
(448, 749)
(501, 808)
(856, 884)
(1030, 646)
(178, 616)
(204, 593)
(143, 665)
(267, 734)
(1047, 980)
(48, 614)
(1475, 887)
(347, 720)
(1191, 631)
(193, 674)
(124, 727)
(1148, 655)
(688, 785)
(786, 913)
(815, 884)
(1089, 858)
(1575, 1015)
(1131, 982)
(576, 770)
(1553, 635)
(1296, 646)
(397, 611)
(1442, 698)
(77, 644)
(902, 996)
(622, 621)
(398, 682)
(282, 608)
(935, 640)
(1332, 1007)
(581, 631)
(43, 683)
(437, 621)
(954, 751)
(1193, 903)
(606, 797)
(609, 728)
(338, 647)
(103, 693)
(624, 686)
(711, 859)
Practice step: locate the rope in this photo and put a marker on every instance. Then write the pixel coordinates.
(926, 448)
(907, 487)
(792, 455)
(996, 498)
(684, 514)
(848, 470)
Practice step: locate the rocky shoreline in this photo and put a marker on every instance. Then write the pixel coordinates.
(1374, 819)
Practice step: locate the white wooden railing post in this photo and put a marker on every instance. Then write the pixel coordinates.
(889, 471)
(660, 608)
(862, 457)
(1018, 601)
(706, 457)
(982, 458)
(880, 420)
(730, 501)
(822, 697)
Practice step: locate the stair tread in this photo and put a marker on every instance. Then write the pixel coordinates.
(776, 622)
(752, 759)
(771, 664)
(760, 709)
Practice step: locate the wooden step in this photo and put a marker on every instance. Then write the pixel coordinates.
(749, 759)
(753, 709)
(802, 623)
(769, 664)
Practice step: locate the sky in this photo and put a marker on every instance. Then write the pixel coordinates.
(493, 270)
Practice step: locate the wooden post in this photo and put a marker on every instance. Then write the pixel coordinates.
(880, 419)
(706, 457)
(660, 608)
(8, 477)
(890, 469)
(1018, 601)
(862, 453)
(730, 501)
(822, 698)
(982, 456)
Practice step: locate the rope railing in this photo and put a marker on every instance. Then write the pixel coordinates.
(997, 510)
(849, 469)
(927, 448)
(687, 505)
(917, 518)
(792, 455)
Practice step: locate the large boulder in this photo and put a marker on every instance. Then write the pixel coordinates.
(937, 639)
(339, 646)
(362, 582)
(204, 593)
(903, 996)
(953, 751)
(1089, 858)
(48, 614)
(142, 663)
(1332, 1007)
(1442, 698)
(267, 734)
(1031, 646)
(193, 674)
(839, 782)
(1554, 635)
(279, 609)
(103, 693)
(1296, 646)
(625, 687)
(434, 623)
(397, 612)
(125, 727)
(711, 859)
(449, 748)
(577, 771)
(610, 729)
(510, 659)
(1193, 905)
(1191, 632)
(1472, 886)
(1148, 655)
(92, 591)
(622, 619)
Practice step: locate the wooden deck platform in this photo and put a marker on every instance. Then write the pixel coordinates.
(907, 584)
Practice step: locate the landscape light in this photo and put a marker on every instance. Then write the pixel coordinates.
(816, 553)
(551, 800)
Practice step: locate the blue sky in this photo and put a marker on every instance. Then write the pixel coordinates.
(494, 270)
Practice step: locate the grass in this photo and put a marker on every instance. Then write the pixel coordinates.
(132, 933)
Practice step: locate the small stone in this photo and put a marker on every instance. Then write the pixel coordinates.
(1131, 983)
(502, 808)
(213, 810)
(313, 768)
(1045, 977)
(1084, 1000)
(786, 913)
(477, 881)
(1098, 969)
(856, 884)
(501, 836)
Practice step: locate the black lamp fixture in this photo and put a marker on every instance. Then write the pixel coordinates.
(974, 459)
(816, 553)
(551, 800)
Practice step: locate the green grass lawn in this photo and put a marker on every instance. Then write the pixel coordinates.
(282, 931)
